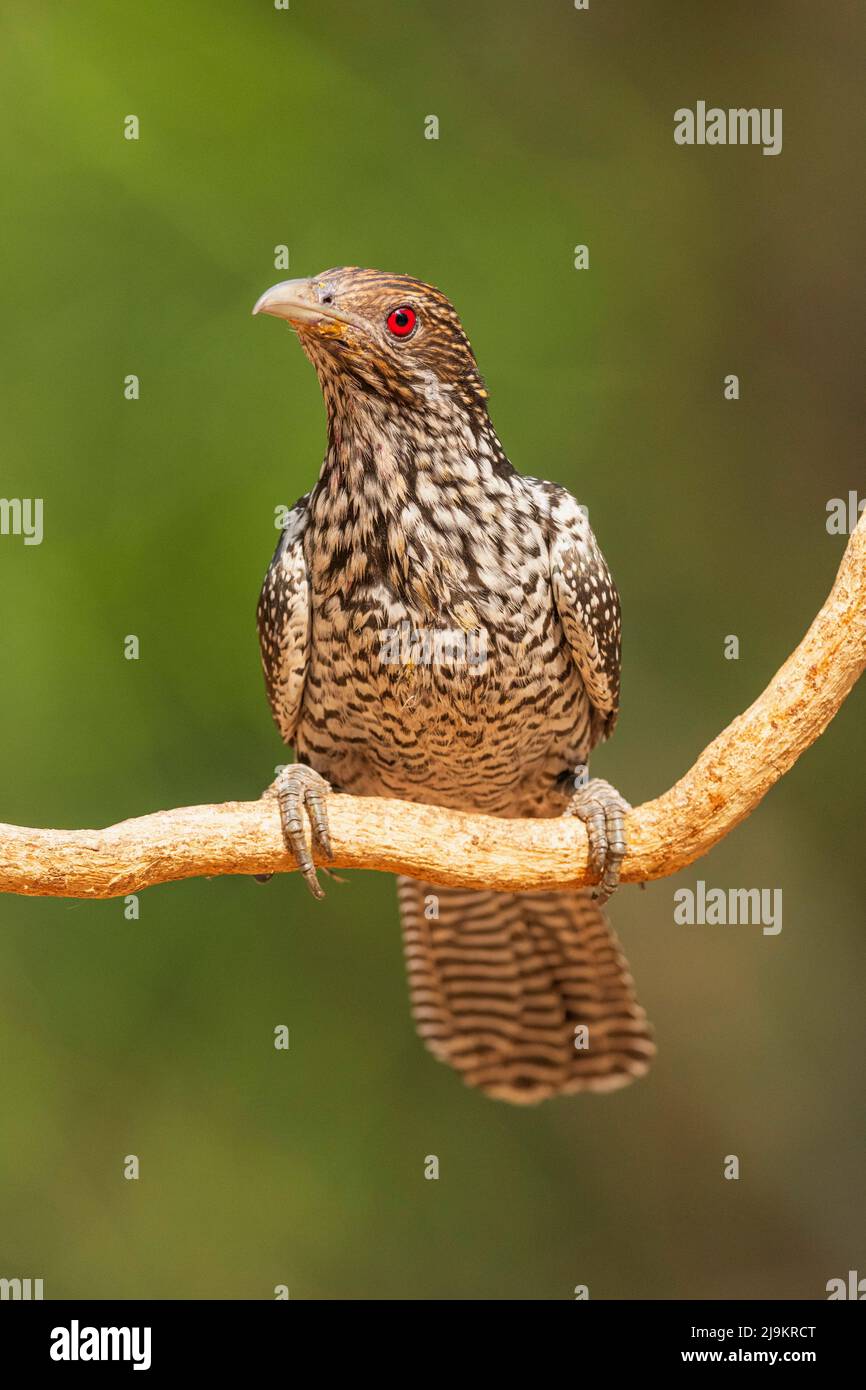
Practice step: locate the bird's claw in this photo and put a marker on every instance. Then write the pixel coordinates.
(298, 788)
(603, 812)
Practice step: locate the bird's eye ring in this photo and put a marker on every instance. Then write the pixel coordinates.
(401, 322)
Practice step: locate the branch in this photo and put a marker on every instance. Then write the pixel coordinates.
(724, 786)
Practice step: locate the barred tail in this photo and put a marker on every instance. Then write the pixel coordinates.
(528, 996)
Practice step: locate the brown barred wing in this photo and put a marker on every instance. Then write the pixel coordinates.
(284, 623)
(585, 598)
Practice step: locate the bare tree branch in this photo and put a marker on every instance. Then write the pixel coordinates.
(724, 786)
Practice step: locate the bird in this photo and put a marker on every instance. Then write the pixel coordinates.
(438, 627)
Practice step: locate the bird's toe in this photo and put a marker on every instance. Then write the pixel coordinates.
(300, 789)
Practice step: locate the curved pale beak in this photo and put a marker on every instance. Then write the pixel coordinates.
(297, 302)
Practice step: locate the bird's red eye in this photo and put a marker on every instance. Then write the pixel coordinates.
(401, 321)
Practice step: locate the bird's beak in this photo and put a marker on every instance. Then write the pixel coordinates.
(297, 302)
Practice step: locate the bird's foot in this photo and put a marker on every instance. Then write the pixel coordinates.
(297, 788)
(603, 812)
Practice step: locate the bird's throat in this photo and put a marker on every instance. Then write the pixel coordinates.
(400, 498)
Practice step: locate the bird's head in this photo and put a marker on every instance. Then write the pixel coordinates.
(388, 335)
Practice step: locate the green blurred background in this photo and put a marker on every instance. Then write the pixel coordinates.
(155, 1037)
